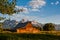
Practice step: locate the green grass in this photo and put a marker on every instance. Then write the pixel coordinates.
(14, 36)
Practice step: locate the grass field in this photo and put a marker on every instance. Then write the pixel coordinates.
(15, 36)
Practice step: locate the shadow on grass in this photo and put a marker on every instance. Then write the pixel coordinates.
(7, 36)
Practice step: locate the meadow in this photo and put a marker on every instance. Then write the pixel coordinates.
(29, 36)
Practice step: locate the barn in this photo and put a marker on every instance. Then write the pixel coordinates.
(26, 27)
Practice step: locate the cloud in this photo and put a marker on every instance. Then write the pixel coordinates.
(50, 19)
(35, 9)
(25, 9)
(18, 17)
(37, 3)
(57, 2)
(21, 9)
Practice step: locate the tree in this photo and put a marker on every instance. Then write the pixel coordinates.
(48, 27)
(39, 28)
(7, 7)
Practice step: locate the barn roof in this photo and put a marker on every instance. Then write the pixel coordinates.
(21, 25)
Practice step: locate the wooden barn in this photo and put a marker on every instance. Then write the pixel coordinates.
(26, 27)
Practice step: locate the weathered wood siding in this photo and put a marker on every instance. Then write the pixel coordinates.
(27, 29)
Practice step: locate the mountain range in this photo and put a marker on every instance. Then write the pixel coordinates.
(10, 24)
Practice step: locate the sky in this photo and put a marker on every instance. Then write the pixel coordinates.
(42, 11)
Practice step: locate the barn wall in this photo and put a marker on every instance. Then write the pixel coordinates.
(28, 29)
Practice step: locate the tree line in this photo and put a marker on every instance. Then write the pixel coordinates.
(47, 27)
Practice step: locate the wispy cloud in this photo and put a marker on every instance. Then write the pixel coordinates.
(34, 5)
(50, 19)
(37, 3)
(22, 9)
(35, 9)
(25, 10)
(18, 17)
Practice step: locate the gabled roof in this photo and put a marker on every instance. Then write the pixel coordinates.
(22, 25)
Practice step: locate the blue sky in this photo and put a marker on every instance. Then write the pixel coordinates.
(42, 11)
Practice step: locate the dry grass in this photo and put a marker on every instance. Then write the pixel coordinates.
(47, 32)
(41, 32)
(50, 32)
